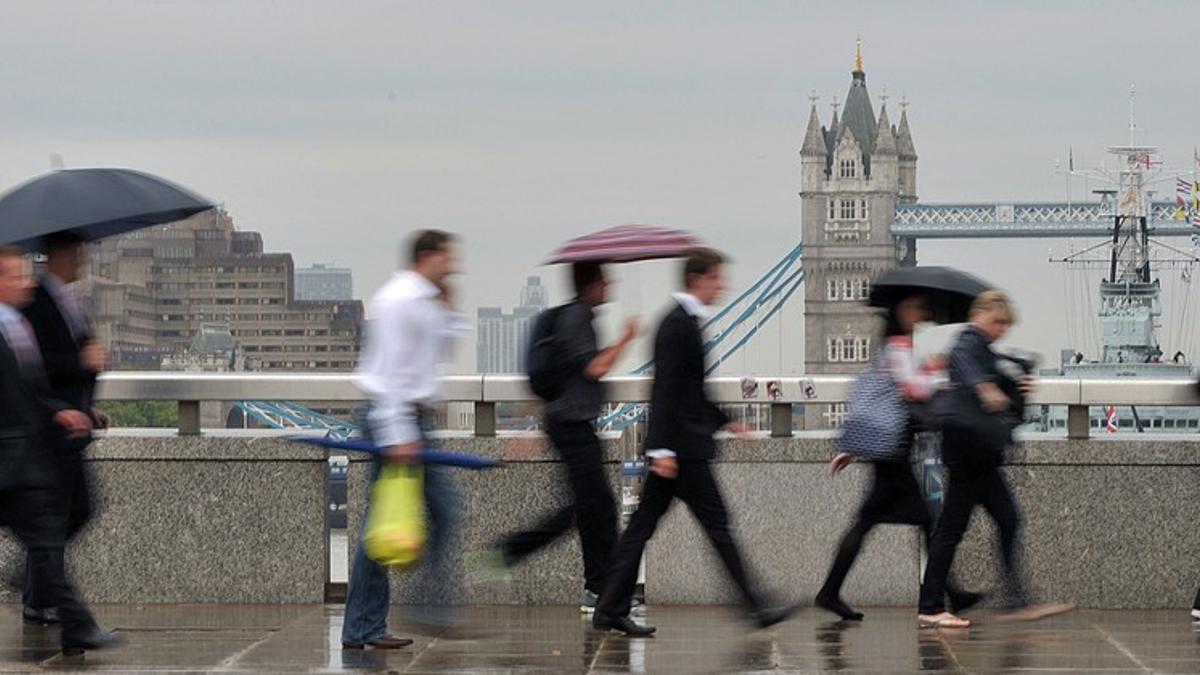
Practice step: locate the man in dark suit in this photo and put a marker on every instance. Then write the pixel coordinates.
(29, 490)
(71, 359)
(680, 447)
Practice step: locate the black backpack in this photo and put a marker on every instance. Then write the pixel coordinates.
(543, 361)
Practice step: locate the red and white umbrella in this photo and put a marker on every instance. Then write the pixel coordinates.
(626, 243)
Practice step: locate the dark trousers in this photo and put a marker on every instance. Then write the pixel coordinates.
(593, 510)
(76, 503)
(894, 498)
(35, 518)
(695, 486)
(969, 486)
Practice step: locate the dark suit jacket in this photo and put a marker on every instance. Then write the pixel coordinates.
(69, 380)
(682, 418)
(25, 419)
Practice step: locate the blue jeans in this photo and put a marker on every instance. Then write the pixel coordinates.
(369, 597)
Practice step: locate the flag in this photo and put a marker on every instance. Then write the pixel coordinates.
(1196, 196)
(1183, 198)
(1070, 159)
(1112, 419)
(1147, 161)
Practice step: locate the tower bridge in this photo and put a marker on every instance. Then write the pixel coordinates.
(1024, 220)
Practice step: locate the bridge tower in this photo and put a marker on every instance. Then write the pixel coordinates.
(853, 174)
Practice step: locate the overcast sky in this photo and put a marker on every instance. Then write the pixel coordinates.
(336, 127)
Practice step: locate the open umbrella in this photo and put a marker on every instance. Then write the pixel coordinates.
(950, 291)
(626, 243)
(92, 203)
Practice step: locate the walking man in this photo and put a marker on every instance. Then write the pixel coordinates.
(72, 359)
(30, 493)
(570, 417)
(680, 448)
(411, 332)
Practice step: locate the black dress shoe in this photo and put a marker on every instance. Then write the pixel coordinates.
(381, 642)
(41, 617)
(961, 601)
(624, 624)
(769, 616)
(839, 607)
(98, 639)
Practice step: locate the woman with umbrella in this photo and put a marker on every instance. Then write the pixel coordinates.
(908, 297)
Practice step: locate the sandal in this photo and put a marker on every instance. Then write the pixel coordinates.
(943, 620)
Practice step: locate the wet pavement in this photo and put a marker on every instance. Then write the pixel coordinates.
(305, 638)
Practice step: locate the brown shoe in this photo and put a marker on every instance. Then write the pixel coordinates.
(387, 641)
(1035, 612)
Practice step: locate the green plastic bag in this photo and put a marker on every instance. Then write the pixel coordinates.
(395, 535)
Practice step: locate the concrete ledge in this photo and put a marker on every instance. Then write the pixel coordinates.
(230, 520)
(237, 518)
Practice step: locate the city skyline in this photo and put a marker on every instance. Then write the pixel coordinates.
(521, 130)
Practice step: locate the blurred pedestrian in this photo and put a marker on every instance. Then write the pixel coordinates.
(977, 423)
(411, 332)
(72, 360)
(895, 496)
(572, 364)
(31, 504)
(680, 448)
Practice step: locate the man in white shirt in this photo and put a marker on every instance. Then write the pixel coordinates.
(411, 330)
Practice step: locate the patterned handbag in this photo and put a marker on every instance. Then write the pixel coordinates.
(876, 426)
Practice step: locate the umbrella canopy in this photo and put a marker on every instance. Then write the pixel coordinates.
(92, 203)
(950, 291)
(626, 243)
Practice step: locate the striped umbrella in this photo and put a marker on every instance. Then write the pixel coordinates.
(626, 243)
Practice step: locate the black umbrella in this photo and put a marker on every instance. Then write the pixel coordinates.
(950, 291)
(92, 203)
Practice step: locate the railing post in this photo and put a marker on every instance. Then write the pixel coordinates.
(1078, 421)
(189, 418)
(781, 420)
(485, 419)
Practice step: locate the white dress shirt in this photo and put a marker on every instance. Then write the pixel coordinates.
(409, 334)
(692, 305)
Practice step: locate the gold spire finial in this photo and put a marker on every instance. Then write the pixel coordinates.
(858, 54)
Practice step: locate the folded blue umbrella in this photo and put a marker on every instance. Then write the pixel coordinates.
(428, 455)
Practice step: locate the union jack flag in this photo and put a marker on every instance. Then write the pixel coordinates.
(1146, 161)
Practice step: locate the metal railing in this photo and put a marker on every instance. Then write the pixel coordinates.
(485, 391)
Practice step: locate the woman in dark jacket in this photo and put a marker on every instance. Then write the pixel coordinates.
(976, 428)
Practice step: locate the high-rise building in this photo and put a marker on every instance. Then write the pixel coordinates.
(501, 337)
(324, 283)
(154, 290)
(853, 173)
